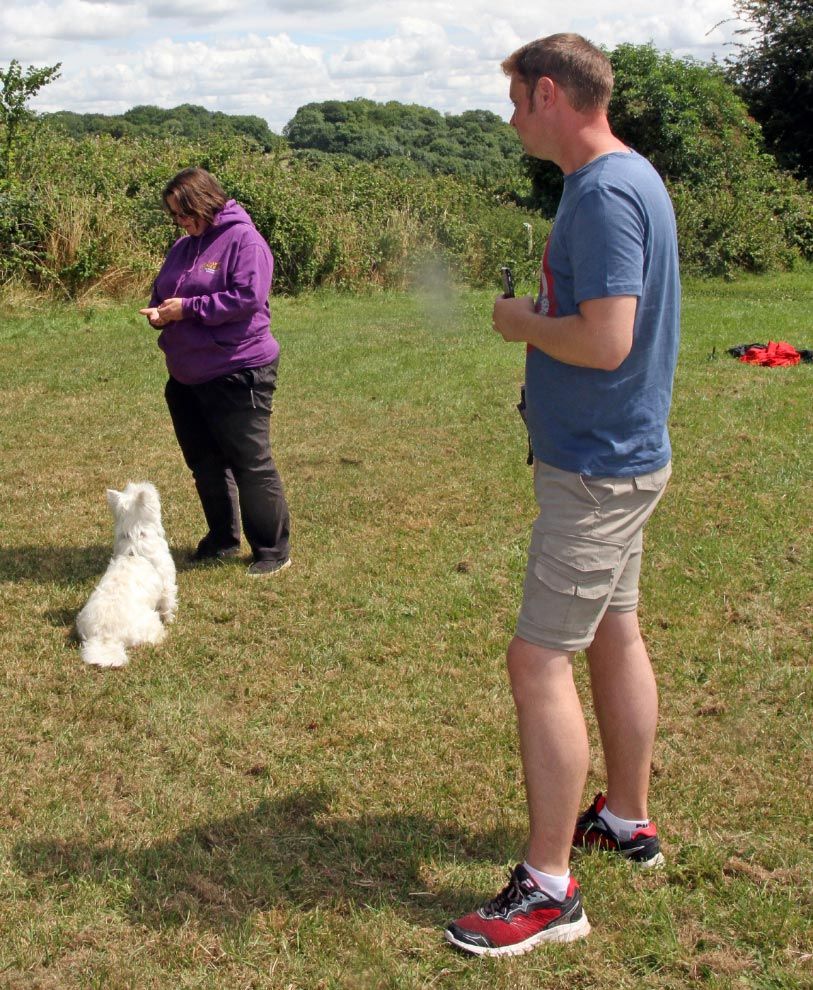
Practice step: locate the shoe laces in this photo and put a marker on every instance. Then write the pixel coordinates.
(510, 896)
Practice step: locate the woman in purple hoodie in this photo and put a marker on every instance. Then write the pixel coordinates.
(210, 300)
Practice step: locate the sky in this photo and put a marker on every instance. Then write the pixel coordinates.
(270, 57)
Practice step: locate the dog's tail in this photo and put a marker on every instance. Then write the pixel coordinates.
(103, 652)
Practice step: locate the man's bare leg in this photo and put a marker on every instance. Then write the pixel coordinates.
(625, 697)
(553, 743)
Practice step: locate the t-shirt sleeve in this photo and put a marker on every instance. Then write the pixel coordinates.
(606, 246)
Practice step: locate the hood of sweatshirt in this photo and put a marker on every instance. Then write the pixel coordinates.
(231, 215)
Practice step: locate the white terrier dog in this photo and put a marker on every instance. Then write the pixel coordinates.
(137, 593)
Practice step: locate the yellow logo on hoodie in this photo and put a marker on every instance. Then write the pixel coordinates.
(211, 266)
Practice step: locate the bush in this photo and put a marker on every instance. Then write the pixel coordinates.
(76, 219)
(750, 217)
(348, 224)
(21, 234)
(736, 210)
(86, 214)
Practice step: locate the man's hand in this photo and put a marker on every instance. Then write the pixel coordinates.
(510, 317)
(598, 336)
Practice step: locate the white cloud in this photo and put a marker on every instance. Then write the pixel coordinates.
(697, 29)
(238, 76)
(195, 10)
(416, 47)
(305, 6)
(72, 20)
(270, 57)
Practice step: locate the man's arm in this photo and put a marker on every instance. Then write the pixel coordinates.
(598, 336)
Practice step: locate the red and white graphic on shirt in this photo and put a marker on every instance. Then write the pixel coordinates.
(546, 300)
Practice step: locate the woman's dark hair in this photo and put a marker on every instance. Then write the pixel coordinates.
(197, 194)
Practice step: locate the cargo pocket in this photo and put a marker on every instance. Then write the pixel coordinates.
(581, 573)
(655, 480)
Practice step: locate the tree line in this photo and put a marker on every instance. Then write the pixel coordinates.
(740, 189)
(193, 123)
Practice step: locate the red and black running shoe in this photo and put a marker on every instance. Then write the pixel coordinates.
(519, 918)
(592, 832)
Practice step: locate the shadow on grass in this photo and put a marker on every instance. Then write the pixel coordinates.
(74, 565)
(184, 560)
(63, 618)
(286, 854)
(53, 565)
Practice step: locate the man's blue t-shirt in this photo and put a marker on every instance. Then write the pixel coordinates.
(614, 235)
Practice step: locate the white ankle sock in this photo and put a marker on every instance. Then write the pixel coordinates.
(554, 886)
(623, 827)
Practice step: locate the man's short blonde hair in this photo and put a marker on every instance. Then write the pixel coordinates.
(571, 61)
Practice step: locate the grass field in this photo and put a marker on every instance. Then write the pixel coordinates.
(314, 773)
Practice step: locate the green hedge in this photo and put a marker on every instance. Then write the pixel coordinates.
(86, 213)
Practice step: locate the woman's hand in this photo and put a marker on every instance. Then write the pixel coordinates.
(171, 310)
(154, 317)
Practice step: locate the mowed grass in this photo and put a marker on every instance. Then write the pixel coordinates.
(315, 773)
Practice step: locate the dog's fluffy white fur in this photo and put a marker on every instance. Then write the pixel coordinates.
(137, 594)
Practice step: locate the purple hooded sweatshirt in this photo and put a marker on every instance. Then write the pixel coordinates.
(224, 278)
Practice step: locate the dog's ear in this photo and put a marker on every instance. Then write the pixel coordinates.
(113, 499)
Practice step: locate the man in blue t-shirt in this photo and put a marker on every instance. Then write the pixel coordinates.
(602, 339)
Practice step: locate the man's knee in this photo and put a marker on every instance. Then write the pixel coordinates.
(535, 670)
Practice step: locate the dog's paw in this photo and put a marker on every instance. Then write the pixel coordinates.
(109, 663)
(103, 653)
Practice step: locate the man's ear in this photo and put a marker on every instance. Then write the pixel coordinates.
(545, 92)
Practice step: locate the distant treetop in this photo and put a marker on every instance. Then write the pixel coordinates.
(476, 143)
(188, 121)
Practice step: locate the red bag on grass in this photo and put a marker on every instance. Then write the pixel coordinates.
(776, 354)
